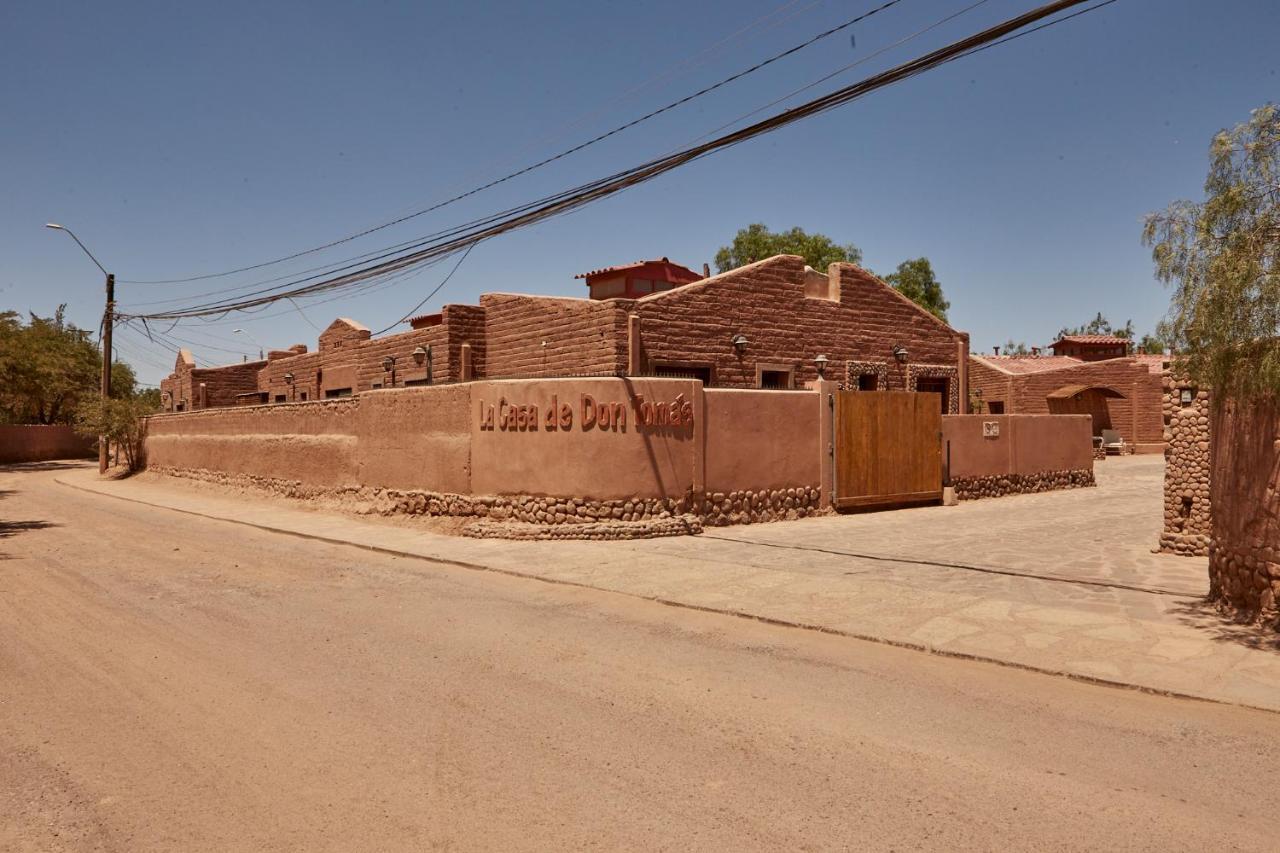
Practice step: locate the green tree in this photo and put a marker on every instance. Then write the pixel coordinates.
(916, 281)
(1011, 348)
(1222, 257)
(756, 242)
(1152, 345)
(1099, 325)
(121, 419)
(47, 366)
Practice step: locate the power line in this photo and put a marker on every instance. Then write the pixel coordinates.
(568, 200)
(524, 171)
(436, 290)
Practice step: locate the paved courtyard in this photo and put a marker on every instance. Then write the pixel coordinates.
(1063, 582)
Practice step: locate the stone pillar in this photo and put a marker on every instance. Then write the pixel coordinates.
(1187, 516)
(464, 374)
(962, 373)
(635, 363)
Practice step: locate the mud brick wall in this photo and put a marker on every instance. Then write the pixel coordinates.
(1188, 521)
(539, 336)
(1244, 557)
(788, 321)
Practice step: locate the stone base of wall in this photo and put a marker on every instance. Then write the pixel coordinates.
(540, 517)
(1185, 544)
(681, 525)
(1246, 580)
(999, 485)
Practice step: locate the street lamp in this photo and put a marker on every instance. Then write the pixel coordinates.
(251, 340)
(108, 320)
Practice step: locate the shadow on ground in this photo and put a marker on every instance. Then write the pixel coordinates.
(13, 528)
(1204, 616)
(55, 465)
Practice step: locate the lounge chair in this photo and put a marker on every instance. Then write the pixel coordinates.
(1113, 442)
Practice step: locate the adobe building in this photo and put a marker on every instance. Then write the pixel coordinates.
(1125, 394)
(190, 388)
(1091, 347)
(775, 324)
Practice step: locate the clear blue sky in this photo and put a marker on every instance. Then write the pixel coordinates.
(181, 138)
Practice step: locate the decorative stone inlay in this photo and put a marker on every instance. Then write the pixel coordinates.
(999, 485)
(943, 371)
(1187, 517)
(523, 511)
(854, 369)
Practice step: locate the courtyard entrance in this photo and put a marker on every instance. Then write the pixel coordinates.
(888, 449)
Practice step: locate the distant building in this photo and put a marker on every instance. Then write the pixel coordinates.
(771, 324)
(1091, 347)
(633, 281)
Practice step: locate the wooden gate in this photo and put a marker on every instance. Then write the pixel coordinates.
(888, 448)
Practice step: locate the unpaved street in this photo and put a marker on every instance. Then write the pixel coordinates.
(173, 683)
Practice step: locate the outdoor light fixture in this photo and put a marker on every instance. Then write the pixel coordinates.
(388, 363)
(1186, 396)
(288, 378)
(820, 362)
(420, 354)
(739, 342)
(900, 354)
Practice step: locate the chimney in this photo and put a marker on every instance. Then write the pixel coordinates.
(1035, 351)
(1142, 350)
(706, 270)
(996, 350)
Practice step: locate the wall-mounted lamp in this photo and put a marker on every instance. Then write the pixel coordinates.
(739, 342)
(1186, 396)
(820, 362)
(288, 378)
(900, 354)
(420, 354)
(389, 363)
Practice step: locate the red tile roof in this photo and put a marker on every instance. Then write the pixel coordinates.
(1090, 339)
(638, 265)
(1031, 363)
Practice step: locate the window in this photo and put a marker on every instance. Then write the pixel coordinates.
(777, 380)
(995, 407)
(934, 385)
(304, 396)
(868, 382)
(279, 398)
(683, 371)
(377, 385)
(642, 285)
(332, 393)
(414, 383)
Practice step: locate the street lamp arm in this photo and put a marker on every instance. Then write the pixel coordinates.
(57, 227)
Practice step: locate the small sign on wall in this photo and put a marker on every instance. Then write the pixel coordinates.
(990, 429)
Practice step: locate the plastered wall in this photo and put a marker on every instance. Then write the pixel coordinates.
(1025, 444)
(38, 443)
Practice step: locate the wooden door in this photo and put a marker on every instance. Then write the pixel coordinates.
(888, 448)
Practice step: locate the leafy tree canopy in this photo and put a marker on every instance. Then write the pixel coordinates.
(916, 281)
(1099, 325)
(48, 366)
(1011, 348)
(756, 242)
(1222, 257)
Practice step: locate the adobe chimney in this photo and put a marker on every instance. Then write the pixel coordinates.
(706, 270)
(1035, 351)
(996, 350)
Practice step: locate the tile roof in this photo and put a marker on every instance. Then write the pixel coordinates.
(636, 265)
(1031, 363)
(1090, 339)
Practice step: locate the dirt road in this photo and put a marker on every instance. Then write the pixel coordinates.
(173, 683)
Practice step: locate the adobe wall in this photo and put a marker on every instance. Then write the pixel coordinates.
(541, 452)
(855, 317)
(1244, 559)
(543, 336)
(39, 443)
(222, 384)
(1187, 518)
(995, 455)
(1137, 417)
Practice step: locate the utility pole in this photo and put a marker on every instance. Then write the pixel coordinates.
(108, 320)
